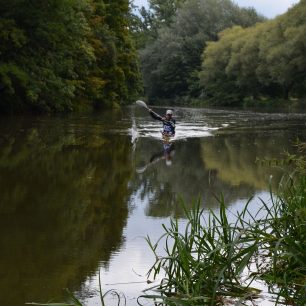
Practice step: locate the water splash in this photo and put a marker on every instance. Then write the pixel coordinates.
(134, 133)
(183, 131)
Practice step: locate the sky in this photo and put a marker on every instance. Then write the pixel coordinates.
(268, 8)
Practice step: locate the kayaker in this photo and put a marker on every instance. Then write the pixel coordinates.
(168, 122)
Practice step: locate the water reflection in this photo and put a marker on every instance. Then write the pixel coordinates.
(63, 207)
(235, 158)
(166, 155)
(75, 191)
(207, 167)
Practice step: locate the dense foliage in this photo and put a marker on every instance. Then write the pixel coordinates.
(178, 32)
(264, 61)
(146, 23)
(60, 55)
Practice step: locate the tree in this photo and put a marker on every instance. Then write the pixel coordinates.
(115, 77)
(164, 11)
(13, 77)
(59, 55)
(214, 75)
(146, 23)
(171, 63)
(267, 60)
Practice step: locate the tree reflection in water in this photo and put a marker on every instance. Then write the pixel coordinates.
(63, 207)
(68, 186)
(206, 167)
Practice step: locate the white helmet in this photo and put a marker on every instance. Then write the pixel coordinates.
(169, 112)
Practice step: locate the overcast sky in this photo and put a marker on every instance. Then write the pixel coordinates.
(269, 8)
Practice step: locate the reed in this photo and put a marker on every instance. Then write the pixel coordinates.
(288, 250)
(204, 262)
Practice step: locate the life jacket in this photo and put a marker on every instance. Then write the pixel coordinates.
(169, 127)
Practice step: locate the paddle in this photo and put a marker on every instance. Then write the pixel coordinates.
(142, 104)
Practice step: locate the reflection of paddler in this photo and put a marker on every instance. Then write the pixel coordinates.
(168, 147)
(166, 155)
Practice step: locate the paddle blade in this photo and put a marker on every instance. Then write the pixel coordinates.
(142, 104)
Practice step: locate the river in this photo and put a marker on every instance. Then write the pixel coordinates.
(79, 193)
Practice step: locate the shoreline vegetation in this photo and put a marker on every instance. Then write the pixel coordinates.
(233, 59)
(77, 56)
(65, 56)
(213, 261)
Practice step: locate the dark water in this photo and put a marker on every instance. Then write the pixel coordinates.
(78, 196)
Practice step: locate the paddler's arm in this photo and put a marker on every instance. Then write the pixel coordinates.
(155, 116)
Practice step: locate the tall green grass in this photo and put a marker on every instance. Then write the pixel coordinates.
(288, 250)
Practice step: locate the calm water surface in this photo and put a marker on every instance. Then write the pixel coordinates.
(78, 194)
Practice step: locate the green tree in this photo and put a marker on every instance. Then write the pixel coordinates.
(115, 77)
(142, 27)
(164, 11)
(147, 22)
(264, 61)
(282, 49)
(171, 63)
(57, 54)
(13, 77)
(52, 55)
(214, 74)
